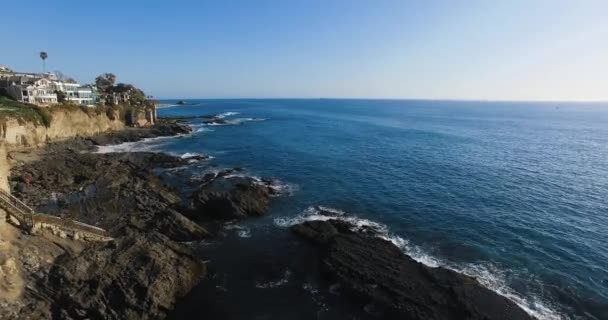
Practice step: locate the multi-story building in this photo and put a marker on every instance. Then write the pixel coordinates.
(29, 90)
(75, 92)
(41, 89)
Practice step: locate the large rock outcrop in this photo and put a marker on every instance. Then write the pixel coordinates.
(162, 128)
(225, 196)
(139, 276)
(392, 285)
(107, 190)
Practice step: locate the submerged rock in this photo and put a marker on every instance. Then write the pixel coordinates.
(139, 276)
(391, 285)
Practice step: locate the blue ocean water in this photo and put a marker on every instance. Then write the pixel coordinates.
(514, 194)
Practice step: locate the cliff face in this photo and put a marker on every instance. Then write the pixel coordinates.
(65, 124)
(5, 169)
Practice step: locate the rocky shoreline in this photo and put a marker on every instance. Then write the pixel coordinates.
(149, 266)
(391, 285)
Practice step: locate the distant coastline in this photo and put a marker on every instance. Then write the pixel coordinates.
(176, 104)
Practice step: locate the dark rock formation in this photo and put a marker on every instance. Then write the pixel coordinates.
(392, 285)
(226, 197)
(163, 127)
(107, 190)
(176, 226)
(138, 276)
(141, 273)
(181, 103)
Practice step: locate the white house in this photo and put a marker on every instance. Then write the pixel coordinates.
(30, 90)
(74, 92)
(41, 89)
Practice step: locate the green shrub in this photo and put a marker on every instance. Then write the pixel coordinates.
(45, 116)
(23, 112)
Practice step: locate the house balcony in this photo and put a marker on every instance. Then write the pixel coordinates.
(44, 96)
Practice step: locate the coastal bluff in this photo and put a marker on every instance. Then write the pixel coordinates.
(64, 124)
(18, 134)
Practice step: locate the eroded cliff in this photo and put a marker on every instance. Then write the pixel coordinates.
(17, 134)
(64, 124)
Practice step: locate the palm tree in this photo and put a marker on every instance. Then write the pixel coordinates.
(43, 56)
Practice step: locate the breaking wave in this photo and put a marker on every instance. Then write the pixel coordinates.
(487, 275)
(189, 155)
(241, 120)
(232, 122)
(202, 129)
(147, 144)
(226, 114)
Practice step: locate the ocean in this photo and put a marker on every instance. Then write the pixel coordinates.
(512, 193)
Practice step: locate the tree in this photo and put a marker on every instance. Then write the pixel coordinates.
(105, 85)
(105, 82)
(43, 56)
(61, 97)
(122, 92)
(123, 88)
(135, 96)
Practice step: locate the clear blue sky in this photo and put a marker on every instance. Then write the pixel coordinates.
(455, 49)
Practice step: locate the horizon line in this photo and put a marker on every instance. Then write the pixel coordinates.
(393, 99)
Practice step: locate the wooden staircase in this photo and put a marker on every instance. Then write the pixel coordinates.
(31, 221)
(17, 209)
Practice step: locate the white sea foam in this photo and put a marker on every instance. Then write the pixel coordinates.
(188, 155)
(283, 189)
(242, 232)
(487, 275)
(246, 233)
(202, 129)
(147, 144)
(274, 284)
(226, 114)
(241, 120)
(310, 288)
(233, 122)
(280, 188)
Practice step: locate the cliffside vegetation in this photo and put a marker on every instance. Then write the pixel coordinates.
(43, 116)
(123, 93)
(11, 109)
(117, 102)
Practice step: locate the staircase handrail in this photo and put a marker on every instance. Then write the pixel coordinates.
(16, 203)
(23, 212)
